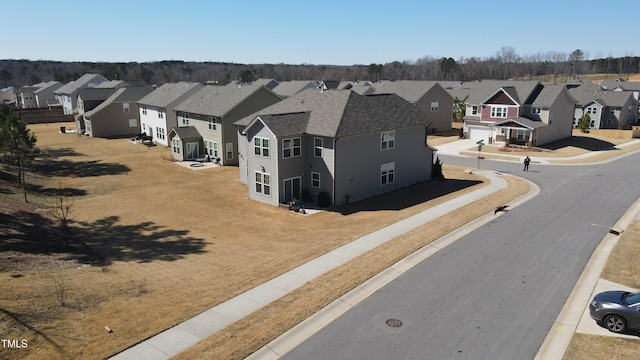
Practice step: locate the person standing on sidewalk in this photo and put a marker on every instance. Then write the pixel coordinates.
(526, 163)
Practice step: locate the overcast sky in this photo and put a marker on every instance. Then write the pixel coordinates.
(330, 32)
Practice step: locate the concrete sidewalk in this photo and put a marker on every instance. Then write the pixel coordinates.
(180, 337)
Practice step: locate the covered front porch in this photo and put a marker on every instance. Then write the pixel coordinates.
(521, 131)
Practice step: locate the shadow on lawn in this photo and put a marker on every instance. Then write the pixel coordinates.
(581, 142)
(144, 242)
(409, 196)
(97, 243)
(48, 163)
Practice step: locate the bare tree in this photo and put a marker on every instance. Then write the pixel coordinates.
(62, 207)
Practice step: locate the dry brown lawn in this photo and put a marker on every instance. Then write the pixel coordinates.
(623, 267)
(155, 243)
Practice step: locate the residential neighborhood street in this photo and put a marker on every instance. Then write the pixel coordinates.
(496, 292)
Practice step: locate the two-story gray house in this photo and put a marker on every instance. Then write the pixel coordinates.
(212, 111)
(429, 96)
(336, 144)
(607, 109)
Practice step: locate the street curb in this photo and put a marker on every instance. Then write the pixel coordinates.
(305, 329)
(565, 325)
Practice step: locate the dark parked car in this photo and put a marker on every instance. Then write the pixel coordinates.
(618, 311)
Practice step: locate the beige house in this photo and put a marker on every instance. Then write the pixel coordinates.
(211, 112)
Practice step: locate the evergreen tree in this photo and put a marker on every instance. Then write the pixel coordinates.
(17, 144)
(584, 123)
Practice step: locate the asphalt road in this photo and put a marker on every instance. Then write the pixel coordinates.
(494, 293)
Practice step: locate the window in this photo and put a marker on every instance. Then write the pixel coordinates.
(212, 123)
(315, 179)
(609, 122)
(185, 119)
(229, 150)
(125, 107)
(175, 145)
(133, 123)
(263, 183)
(387, 140)
(160, 133)
(161, 113)
(144, 110)
(211, 148)
(474, 110)
(435, 106)
(536, 110)
(387, 172)
(591, 110)
(499, 111)
(261, 146)
(291, 147)
(318, 145)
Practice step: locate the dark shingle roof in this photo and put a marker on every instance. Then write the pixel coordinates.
(87, 94)
(336, 113)
(187, 132)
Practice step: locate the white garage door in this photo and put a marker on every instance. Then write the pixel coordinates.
(479, 133)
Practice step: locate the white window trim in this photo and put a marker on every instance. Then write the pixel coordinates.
(503, 114)
(175, 145)
(317, 147)
(390, 142)
(185, 119)
(261, 183)
(387, 173)
(212, 123)
(292, 147)
(314, 180)
(261, 147)
(435, 106)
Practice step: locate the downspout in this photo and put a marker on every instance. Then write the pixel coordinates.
(335, 150)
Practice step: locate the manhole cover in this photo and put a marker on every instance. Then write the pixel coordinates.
(394, 322)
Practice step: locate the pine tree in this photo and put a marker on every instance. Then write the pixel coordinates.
(17, 144)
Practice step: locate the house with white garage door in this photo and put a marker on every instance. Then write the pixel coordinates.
(527, 113)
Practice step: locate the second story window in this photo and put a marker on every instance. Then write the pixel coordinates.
(212, 123)
(161, 113)
(474, 110)
(185, 119)
(261, 146)
(125, 107)
(498, 111)
(536, 110)
(387, 140)
(317, 147)
(144, 110)
(291, 147)
(435, 106)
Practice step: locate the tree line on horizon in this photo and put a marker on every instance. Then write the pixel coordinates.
(506, 64)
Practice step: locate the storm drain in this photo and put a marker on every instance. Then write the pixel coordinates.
(394, 323)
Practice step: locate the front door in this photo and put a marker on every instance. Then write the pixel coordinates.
(192, 150)
(291, 189)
